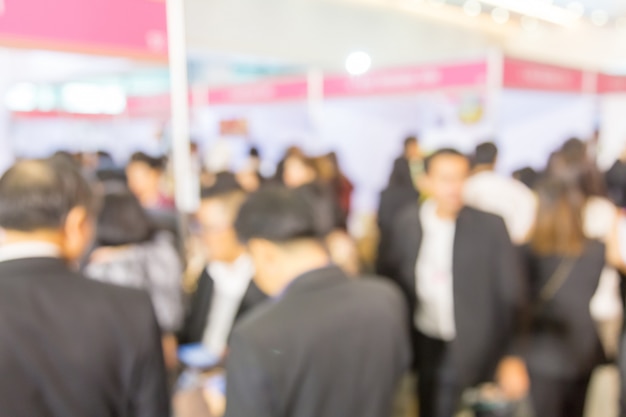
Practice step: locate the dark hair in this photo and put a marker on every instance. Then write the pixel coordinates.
(225, 182)
(579, 172)
(66, 157)
(122, 220)
(410, 140)
(254, 152)
(156, 163)
(39, 194)
(527, 175)
(441, 152)
(574, 150)
(276, 214)
(486, 153)
(559, 226)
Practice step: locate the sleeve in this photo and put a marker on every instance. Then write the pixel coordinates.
(165, 286)
(247, 383)
(512, 289)
(184, 336)
(150, 396)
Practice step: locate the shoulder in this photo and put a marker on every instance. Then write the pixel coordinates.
(478, 216)
(377, 287)
(121, 300)
(596, 250)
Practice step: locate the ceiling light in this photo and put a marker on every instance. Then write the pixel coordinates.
(358, 63)
(577, 9)
(536, 8)
(472, 8)
(529, 23)
(500, 15)
(599, 17)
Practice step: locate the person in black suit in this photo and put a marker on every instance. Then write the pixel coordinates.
(564, 270)
(458, 270)
(327, 345)
(399, 194)
(411, 158)
(225, 290)
(70, 347)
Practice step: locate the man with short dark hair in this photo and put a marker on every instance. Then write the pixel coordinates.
(500, 195)
(411, 158)
(225, 290)
(70, 347)
(457, 268)
(326, 346)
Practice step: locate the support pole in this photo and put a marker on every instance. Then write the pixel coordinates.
(179, 93)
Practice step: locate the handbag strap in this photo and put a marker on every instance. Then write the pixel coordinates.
(557, 280)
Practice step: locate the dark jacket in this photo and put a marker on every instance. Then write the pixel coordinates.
(72, 347)
(393, 200)
(563, 341)
(616, 183)
(200, 308)
(327, 347)
(488, 294)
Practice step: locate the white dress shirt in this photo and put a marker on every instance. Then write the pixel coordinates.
(32, 249)
(230, 283)
(434, 280)
(506, 197)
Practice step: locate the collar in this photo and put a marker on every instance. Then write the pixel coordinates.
(428, 215)
(24, 250)
(314, 279)
(239, 272)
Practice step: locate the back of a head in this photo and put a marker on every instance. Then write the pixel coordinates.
(559, 223)
(486, 154)
(578, 171)
(38, 195)
(574, 150)
(527, 175)
(278, 215)
(122, 220)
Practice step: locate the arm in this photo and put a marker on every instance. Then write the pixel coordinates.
(247, 384)
(150, 395)
(512, 374)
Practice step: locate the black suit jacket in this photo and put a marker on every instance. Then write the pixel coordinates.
(488, 296)
(563, 341)
(328, 347)
(200, 308)
(393, 200)
(73, 347)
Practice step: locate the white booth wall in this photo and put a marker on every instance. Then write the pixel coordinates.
(612, 128)
(41, 137)
(533, 124)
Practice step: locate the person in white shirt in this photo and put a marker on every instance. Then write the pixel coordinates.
(461, 277)
(506, 197)
(225, 290)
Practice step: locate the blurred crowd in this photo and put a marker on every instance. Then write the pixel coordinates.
(503, 294)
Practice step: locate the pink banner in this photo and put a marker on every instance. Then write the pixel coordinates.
(134, 28)
(406, 80)
(260, 92)
(527, 75)
(148, 106)
(611, 84)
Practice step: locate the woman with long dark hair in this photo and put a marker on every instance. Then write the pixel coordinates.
(564, 269)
